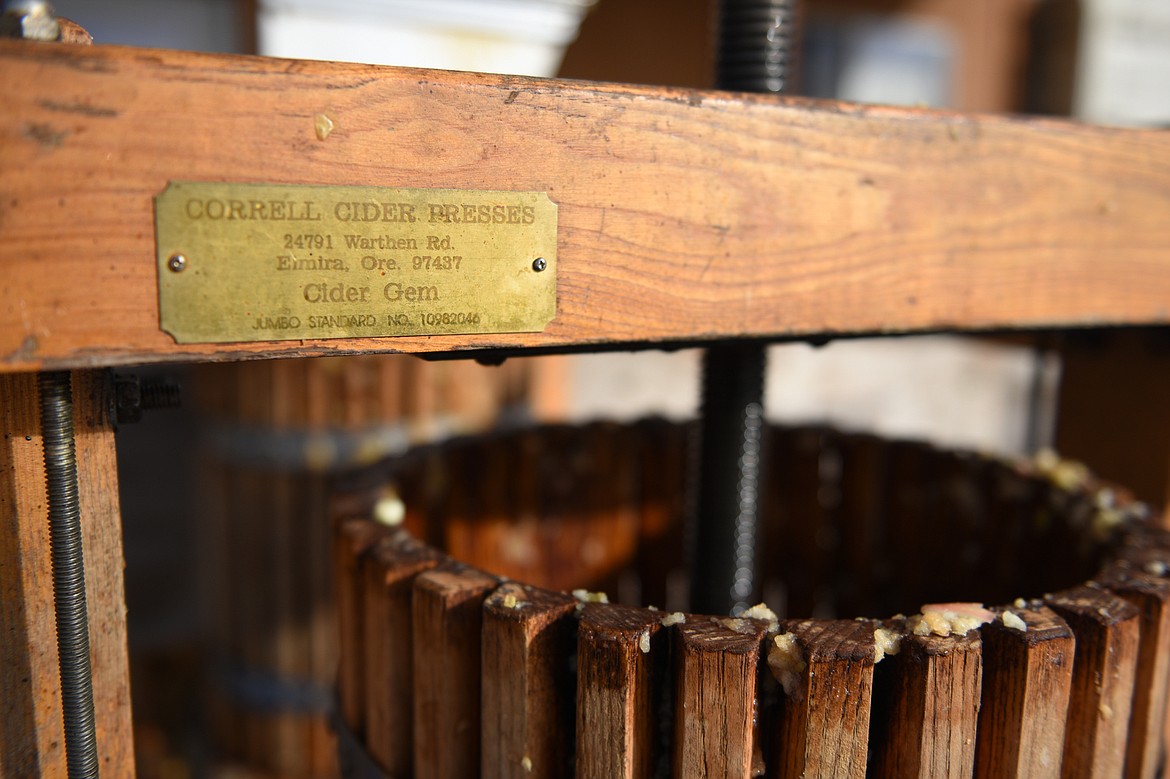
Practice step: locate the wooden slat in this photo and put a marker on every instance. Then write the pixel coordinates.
(389, 570)
(932, 714)
(1151, 595)
(482, 524)
(354, 538)
(101, 518)
(1027, 681)
(683, 215)
(1015, 506)
(528, 685)
(31, 733)
(618, 650)
(324, 648)
(861, 566)
(448, 619)
(1093, 406)
(824, 722)
(955, 532)
(661, 554)
(911, 505)
(1147, 548)
(1107, 641)
(716, 697)
(796, 537)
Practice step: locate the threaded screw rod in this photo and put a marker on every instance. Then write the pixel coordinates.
(757, 44)
(68, 574)
(732, 420)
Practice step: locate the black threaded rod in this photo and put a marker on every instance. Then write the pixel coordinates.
(723, 578)
(68, 574)
(757, 47)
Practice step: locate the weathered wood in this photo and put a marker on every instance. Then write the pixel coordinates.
(33, 734)
(930, 720)
(1147, 548)
(389, 570)
(824, 721)
(287, 423)
(910, 510)
(661, 549)
(353, 539)
(735, 215)
(528, 686)
(955, 531)
(1094, 407)
(324, 651)
(1015, 506)
(1027, 681)
(1107, 642)
(716, 696)
(1151, 595)
(483, 524)
(31, 731)
(860, 558)
(795, 521)
(618, 653)
(553, 507)
(448, 619)
(101, 520)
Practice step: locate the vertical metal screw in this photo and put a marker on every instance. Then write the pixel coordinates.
(68, 567)
(539, 264)
(176, 263)
(757, 42)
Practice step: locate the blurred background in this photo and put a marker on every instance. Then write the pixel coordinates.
(231, 617)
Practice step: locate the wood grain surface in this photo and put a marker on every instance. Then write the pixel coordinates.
(824, 724)
(1151, 595)
(448, 618)
(716, 696)
(618, 648)
(1027, 680)
(528, 683)
(31, 732)
(353, 539)
(683, 215)
(389, 570)
(929, 721)
(1107, 631)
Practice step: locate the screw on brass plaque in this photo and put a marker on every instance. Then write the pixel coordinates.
(176, 263)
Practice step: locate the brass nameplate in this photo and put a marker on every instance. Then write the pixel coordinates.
(269, 262)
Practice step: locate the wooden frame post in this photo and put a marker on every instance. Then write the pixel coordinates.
(31, 730)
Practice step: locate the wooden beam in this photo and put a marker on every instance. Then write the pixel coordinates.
(683, 215)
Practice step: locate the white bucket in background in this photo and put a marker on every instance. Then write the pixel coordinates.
(521, 37)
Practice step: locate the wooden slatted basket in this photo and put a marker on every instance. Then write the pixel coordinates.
(464, 652)
(273, 432)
